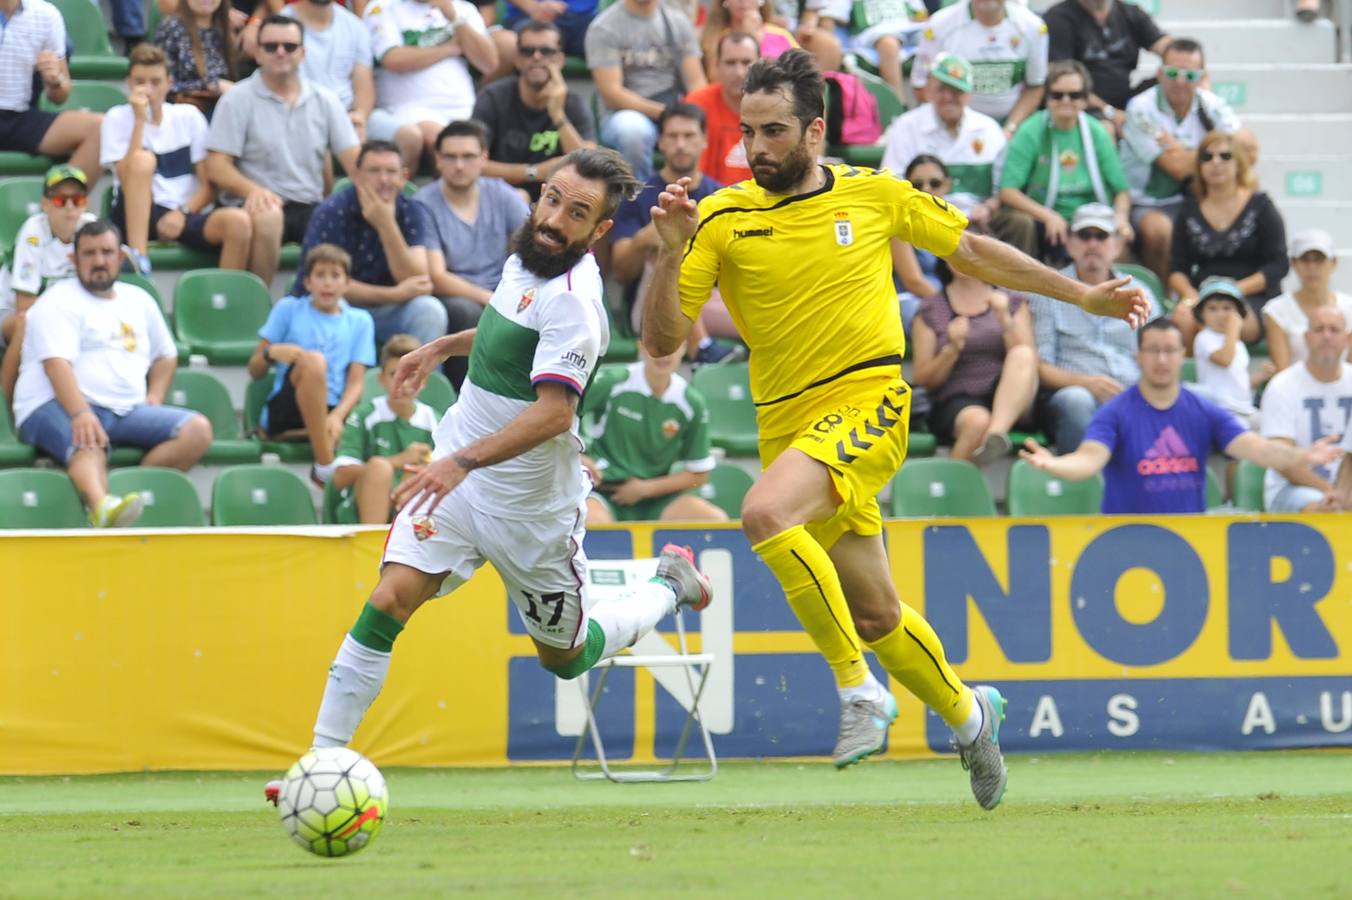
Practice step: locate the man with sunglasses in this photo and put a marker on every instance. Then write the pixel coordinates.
(533, 121)
(268, 137)
(1164, 127)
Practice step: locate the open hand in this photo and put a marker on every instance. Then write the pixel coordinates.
(1323, 452)
(428, 485)
(675, 216)
(1115, 300)
(413, 371)
(86, 431)
(1038, 456)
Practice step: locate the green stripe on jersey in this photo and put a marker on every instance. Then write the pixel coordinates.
(503, 355)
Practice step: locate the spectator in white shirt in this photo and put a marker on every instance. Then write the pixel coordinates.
(1313, 258)
(1222, 359)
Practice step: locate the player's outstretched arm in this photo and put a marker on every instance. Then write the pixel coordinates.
(1000, 264)
(416, 367)
(549, 416)
(1085, 462)
(665, 327)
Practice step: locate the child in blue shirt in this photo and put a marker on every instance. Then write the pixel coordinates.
(322, 347)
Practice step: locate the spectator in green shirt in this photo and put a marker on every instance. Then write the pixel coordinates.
(380, 437)
(649, 445)
(1062, 158)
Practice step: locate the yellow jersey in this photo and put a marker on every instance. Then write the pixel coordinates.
(808, 279)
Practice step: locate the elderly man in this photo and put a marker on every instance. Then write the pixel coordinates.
(1304, 403)
(1083, 361)
(97, 362)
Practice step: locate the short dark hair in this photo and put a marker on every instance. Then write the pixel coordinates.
(796, 71)
(604, 164)
(682, 110)
(465, 128)
(279, 19)
(534, 27)
(923, 159)
(378, 147)
(1184, 45)
(1161, 323)
(147, 54)
(328, 253)
(94, 229)
(397, 346)
(733, 37)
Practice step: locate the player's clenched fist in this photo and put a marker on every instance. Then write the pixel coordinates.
(675, 216)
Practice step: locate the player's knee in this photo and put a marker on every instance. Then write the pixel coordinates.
(566, 667)
(763, 517)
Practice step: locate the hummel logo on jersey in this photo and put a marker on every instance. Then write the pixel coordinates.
(739, 233)
(1169, 455)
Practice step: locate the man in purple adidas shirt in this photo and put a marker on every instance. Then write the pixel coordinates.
(1152, 440)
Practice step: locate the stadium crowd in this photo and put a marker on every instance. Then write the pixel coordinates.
(400, 143)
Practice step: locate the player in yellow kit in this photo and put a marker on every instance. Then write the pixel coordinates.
(801, 255)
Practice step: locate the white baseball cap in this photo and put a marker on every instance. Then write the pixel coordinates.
(1313, 239)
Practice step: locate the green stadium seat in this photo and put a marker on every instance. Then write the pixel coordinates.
(170, 499)
(1215, 493)
(941, 487)
(255, 396)
(437, 393)
(921, 443)
(1189, 371)
(261, 495)
(727, 485)
(202, 391)
(12, 451)
(94, 96)
(1033, 492)
(14, 163)
(168, 256)
(1150, 280)
(889, 107)
(93, 56)
(39, 498)
(217, 312)
(1249, 486)
(732, 415)
(125, 456)
(20, 198)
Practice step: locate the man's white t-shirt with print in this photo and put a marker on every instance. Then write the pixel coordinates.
(444, 89)
(1286, 311)
(110, 342)
(1301, 408)
(1004, 58)
(179, 143)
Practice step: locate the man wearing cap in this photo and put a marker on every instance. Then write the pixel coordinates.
(98, 360)
(32, 47)
(42, 248)
(1152, 441)
(1305, 403)
(1222, 359)
(968, 142)
(1083, 361)
(1007, 47)
(1313, 259)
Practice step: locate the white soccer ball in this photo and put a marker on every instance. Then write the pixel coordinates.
(333, 801)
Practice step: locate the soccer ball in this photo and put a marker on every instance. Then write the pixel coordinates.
(332, 801)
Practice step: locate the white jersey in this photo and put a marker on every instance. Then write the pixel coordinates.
(533, 330)
(1003, 58)
(1148, 116)
(39, 257)
(1299, 407)
(972, 157)
(445, 87)
(110, 342)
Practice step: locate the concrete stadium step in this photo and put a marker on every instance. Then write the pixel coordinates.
(1234, 41)
(1196, 9)
(1289, 178)
(1291, 134)
(1334, 216)
(1284, 87)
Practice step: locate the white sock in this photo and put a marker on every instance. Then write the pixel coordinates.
(326, 470)
(871, 689)
(355, 678)
(628, 618)
(968, 730)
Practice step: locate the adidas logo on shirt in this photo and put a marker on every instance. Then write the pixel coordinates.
(1169, 455)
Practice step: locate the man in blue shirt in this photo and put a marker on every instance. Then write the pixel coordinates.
(1152, 440)
(387, 235)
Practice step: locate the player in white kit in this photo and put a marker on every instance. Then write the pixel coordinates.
(506, 484)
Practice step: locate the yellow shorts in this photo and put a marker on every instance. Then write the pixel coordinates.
(860, 433)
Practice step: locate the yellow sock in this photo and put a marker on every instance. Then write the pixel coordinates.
(914, 656)
(812, 586)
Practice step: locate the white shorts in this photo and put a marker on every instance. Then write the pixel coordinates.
(1293, 498)
(541, 561)
(383, 123)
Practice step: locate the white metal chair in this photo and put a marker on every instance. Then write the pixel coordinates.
(680, 672)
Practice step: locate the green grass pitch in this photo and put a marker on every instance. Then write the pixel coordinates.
(1105, 825)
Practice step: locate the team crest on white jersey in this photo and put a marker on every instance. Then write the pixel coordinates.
(526, 300)
(844, 229)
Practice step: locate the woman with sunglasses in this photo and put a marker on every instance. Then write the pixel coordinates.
(1062, 158)
(199, 43)
(1226, 227)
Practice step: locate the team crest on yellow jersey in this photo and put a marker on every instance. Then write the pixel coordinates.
(526, 300)
(844, 229)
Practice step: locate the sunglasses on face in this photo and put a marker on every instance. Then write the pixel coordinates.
(1208, 156)
(63, 200)
(546, 52)
(287, 47)
(1068, 95)
(1092, 234)
(1175, 73)
(929, 184)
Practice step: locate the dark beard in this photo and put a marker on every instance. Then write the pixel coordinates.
(99, 284)
(790, 173)
(540, 262)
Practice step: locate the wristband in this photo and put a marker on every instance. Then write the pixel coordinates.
(253, 20)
